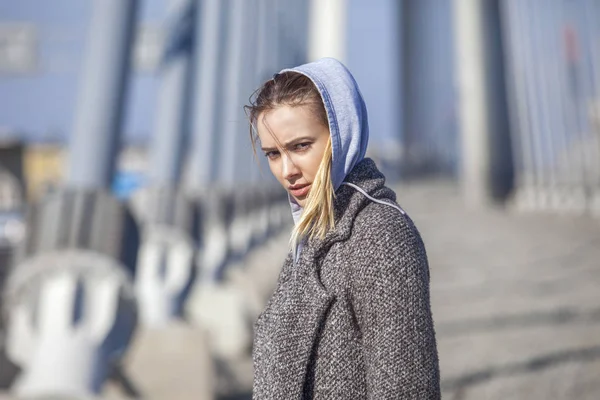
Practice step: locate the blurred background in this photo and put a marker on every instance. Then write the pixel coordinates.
(140, 239)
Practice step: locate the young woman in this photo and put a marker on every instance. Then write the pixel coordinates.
(350, 317)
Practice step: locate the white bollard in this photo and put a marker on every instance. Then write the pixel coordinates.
(164, 274)
(241, 228)
(215, 206)
(262, 229)
(222, 312)
(71, 315)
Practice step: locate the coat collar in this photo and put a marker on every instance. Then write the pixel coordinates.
(348, 203)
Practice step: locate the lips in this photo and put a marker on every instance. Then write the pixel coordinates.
(299, 190)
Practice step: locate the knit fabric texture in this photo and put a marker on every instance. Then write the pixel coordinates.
(352, 318)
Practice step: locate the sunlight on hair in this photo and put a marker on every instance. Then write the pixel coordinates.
(317, 217)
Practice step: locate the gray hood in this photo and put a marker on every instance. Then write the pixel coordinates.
(347, 115)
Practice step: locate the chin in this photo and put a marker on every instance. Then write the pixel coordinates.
(301, 202)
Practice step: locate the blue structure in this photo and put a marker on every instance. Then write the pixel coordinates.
(430, 140)
(28, 103)
(168, 143)
(94, 145)
(402, 54)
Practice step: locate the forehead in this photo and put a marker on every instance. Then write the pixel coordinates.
(284, 123)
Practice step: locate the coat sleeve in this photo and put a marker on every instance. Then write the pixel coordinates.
(390, 297)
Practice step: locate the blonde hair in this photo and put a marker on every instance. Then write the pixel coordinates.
(297, 90)
(317, 216)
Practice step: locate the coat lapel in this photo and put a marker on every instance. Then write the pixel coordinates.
(288, 328)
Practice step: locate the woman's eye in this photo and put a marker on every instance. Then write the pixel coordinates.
(302, 146)
(272, 155)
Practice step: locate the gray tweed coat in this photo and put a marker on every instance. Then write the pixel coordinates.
(352, 319)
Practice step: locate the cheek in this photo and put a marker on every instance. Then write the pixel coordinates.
(275, 168)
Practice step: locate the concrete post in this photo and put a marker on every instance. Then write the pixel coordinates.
(486, 159)
(327, 29)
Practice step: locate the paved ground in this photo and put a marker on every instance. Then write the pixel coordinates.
(516, 299)
(516, 303)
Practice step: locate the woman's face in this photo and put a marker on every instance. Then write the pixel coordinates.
(294, 141)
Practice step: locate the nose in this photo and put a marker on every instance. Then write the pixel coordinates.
(291, 172)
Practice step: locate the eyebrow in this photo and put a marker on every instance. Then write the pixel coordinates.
(290, 143)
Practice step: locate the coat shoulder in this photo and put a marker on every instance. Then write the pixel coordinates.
(386, 239)
(387, 222)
